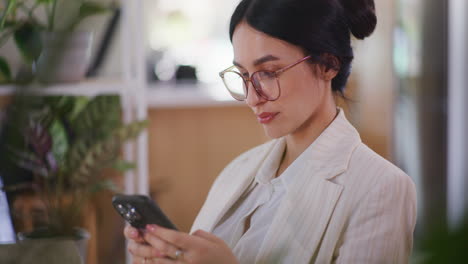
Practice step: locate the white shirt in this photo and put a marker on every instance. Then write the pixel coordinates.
(262, 199)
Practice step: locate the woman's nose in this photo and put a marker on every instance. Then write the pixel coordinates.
(253, 98)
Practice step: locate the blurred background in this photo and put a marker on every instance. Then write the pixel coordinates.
(162, 57)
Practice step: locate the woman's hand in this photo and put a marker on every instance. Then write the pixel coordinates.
(162, 245)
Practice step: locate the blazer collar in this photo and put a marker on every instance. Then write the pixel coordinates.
(305, 212)
(331, 151)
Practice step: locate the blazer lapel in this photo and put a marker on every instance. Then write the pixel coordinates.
(232, 184)
(304, 214)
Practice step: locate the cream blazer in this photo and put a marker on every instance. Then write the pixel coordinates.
(346, 205)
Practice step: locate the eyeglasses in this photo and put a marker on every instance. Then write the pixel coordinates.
(265, 83)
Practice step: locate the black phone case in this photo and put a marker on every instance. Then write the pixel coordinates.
(140, 210)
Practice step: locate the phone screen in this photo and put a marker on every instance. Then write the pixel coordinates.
(7, 233)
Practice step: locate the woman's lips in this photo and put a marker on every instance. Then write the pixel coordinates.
(266, 117)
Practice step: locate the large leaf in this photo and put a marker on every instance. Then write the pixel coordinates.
(28, 40)
(59, 141)
(123, 165)
(104, 185)
(86, 163)
(80, 103)
(91, 8)
(98, 119)
(66, 107)
(8, 10)
(28, 161)
(5, 73)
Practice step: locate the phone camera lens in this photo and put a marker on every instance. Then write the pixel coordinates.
(129, 216)
(133, 214)
(122, 210)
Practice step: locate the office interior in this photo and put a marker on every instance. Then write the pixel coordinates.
(407, 98)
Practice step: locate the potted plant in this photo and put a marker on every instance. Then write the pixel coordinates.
(65, 143)
(49, 42)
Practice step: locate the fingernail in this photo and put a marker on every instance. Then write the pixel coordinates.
(133, 233)
(151, 227)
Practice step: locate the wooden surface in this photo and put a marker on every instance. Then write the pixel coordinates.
(189, 148)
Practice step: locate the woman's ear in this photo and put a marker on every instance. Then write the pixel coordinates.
(330, 66)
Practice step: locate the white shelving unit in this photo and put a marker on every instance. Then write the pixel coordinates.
(131, 86)
(90, 87)
(176, 95)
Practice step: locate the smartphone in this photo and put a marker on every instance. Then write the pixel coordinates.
(140, 210)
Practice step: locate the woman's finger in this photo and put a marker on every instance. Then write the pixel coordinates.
(163, 248)
(138, 260)
(178, 239)
(208, 236)
(162, 261)
(142, 250)
(132, 233)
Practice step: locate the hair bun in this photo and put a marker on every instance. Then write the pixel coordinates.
(360, 16)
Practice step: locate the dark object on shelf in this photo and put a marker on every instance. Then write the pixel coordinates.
(105, 44)
(186, 73)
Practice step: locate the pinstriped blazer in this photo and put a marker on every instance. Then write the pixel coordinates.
(346, 205)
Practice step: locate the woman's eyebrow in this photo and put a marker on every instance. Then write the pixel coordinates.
(259, 61)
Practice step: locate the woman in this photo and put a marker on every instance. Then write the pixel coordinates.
(315, 193)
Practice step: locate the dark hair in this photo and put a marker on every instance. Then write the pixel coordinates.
(319, 27)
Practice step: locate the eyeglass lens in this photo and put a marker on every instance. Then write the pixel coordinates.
(265, 83)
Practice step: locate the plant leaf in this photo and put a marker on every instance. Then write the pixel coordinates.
(100, 116)
(90, 9)
(9, 9)
(59, 141)
(5, 73)
(123, 165)
(28, 40)
(80, 102)
(84, 164)
(104, 185)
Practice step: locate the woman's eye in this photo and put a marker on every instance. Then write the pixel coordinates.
(267, 74)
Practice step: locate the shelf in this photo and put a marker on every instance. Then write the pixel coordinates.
(91, 87)
(174, 95)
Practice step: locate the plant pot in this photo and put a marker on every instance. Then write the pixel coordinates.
(80, 240)
(65, 57)
(40, 251)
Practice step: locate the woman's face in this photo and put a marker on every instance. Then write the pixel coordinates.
(302, 93)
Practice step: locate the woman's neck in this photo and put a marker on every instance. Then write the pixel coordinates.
(297, 142)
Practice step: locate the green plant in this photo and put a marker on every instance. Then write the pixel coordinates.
(19, 20)
(66, 142)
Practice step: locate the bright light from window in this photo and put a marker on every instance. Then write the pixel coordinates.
(191, 34)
